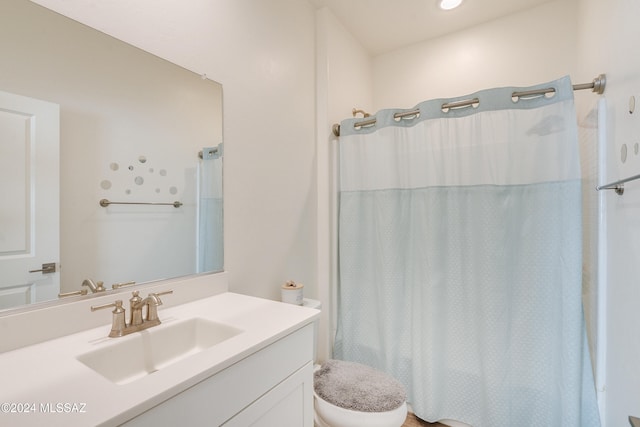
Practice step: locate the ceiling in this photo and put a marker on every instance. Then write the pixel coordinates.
(385, 25)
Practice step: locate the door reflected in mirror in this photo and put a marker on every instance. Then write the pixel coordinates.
(132, 130)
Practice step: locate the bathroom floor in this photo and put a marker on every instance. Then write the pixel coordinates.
(413, 421)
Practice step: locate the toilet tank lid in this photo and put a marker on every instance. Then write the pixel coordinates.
(312, 303)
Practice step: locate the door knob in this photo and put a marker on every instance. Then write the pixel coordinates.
(47, 268)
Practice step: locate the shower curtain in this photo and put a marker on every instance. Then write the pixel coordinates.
(460, 258)
(210, 205)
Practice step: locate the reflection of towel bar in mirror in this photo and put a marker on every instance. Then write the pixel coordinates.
(106, 202)
(618, 185)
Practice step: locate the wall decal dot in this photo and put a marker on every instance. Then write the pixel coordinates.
(140, 178)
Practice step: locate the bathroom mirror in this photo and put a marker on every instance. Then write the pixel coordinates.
(135, 130)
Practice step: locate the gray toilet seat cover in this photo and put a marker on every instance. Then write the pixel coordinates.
(358, 387)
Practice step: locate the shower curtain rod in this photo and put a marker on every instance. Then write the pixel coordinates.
(597, 85)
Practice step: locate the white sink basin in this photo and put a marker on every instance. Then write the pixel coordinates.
(142, 353)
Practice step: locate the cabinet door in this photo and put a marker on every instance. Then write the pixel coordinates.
(290, 404)
(254, 384)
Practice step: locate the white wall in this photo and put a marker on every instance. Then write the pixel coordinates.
(344, 82)
(263, 52)
(523, 49)
(609, 34)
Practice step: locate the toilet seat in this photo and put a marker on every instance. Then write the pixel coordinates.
(349, 394)
(329, 415)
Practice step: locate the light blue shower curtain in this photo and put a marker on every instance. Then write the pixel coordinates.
(460, 259)
(210, 210)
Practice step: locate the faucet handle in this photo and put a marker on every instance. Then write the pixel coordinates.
(118, 324)
(122, 285)
(152, 309)
(162, 293)
(156, 296)
(116, 304)
(72, 293)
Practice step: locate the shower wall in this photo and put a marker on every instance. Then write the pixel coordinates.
(608, 35)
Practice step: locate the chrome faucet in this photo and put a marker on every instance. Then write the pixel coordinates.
(120, 327)
(94, 287)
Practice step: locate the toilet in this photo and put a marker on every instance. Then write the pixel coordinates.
(349, 394)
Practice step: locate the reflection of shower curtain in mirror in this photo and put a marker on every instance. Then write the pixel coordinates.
(460, 259)
(210, 239)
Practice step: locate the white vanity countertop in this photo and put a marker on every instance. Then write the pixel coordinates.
(55, 388)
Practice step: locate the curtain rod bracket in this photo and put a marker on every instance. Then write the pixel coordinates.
(354, 112)
(599, 84)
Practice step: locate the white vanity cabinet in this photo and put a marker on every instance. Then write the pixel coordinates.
(272, 387)
(259, 376)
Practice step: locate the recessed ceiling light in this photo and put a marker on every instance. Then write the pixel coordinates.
(449, 4)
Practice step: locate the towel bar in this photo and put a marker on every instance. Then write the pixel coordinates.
(106, 202)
